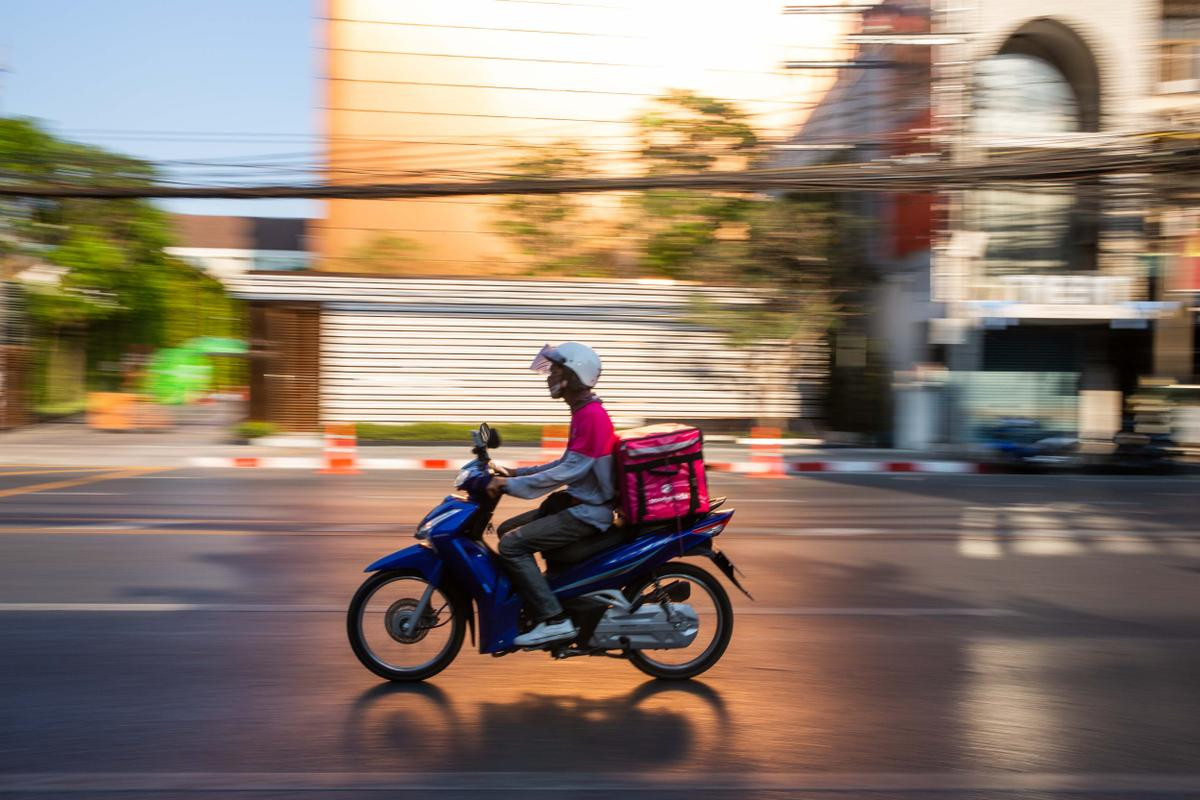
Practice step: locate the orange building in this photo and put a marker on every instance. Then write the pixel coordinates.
(459, 91)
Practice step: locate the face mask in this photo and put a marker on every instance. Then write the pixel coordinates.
(557, 384)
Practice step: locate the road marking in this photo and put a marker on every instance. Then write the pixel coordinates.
(108, 476)
(826, 531)
(655, 782)
(978, 539)
(1183, 542)
(158, 608)
(174, 477)
(877, 612)
(1048, 547)
(308, 608)
(131, 530)
(51, 470)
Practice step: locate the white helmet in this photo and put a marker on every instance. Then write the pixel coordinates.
(579, 358)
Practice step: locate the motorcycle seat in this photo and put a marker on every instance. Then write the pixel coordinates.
(589, 546)
(586, 547)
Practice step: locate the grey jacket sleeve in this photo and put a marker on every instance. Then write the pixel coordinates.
(520, 471)
(571, 467)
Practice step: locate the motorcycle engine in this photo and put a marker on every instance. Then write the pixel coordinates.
(647, 628)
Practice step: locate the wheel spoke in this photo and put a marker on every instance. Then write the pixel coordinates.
(383, 621)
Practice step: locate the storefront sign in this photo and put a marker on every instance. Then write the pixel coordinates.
(1053, 290)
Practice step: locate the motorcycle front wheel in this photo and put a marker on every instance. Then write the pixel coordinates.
(708, 599)
(380, 637)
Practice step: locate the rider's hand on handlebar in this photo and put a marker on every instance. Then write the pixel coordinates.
(501, 470)
(496, 487)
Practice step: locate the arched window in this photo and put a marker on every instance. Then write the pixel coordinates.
(1022, 95)
(1041, 86)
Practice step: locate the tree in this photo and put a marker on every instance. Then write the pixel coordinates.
(798, 255)
(681, 228)
(114, 287)
(385, 254)
(557, 233)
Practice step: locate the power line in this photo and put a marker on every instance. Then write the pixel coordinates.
(1071, 165)
(490, 58)
(403, 24)
(539, 89)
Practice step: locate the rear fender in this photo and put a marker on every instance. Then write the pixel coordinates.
(722, 562)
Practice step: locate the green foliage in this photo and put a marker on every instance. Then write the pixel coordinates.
(253, 429)
(681, 229)
(118, 291)
(687, 132)
(442, 432)
(384, 254)
(549, 229)
(67, 408)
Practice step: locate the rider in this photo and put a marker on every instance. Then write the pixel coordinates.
(584, 509)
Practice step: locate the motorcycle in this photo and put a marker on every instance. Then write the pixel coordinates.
(625, 589)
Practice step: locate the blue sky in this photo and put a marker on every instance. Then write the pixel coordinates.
(202, 68)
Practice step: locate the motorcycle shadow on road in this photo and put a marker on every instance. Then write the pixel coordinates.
(659, 724)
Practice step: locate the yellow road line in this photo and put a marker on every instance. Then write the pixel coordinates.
(111, 476)
(53, 470)
(116, 531)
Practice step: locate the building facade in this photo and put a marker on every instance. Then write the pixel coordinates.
(462, 91)
(329, 348)
(1048, 302)
(226, 247)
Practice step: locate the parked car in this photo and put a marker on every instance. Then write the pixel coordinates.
(1027, 444)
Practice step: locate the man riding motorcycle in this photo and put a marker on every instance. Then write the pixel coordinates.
(585, 508)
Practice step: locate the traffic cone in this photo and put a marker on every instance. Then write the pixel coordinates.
(766, 454)
(341, 449)
(554, 441)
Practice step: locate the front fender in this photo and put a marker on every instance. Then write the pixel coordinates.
(417, 557)
(430, 565)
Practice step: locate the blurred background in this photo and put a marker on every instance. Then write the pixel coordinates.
(981, 315)
(933, 266)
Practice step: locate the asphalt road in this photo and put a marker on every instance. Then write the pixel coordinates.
(180, 633)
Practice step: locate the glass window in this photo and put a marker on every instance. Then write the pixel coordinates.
(1045, 228)
(1179, 49)
(1021, 94)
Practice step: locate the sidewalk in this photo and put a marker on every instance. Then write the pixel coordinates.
(202, 439)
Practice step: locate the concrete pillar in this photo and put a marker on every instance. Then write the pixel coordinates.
(1173, 338)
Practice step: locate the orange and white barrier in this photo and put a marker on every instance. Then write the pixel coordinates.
(341, 449)
(766, 453)
(748, 468)
(554, 441)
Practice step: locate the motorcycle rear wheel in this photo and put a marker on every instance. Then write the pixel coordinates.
(722, 619)
(374, 630)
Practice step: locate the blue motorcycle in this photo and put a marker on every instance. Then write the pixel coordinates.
(627, 592)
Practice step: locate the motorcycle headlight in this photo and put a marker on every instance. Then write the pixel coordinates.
(428, 525)
(463, 476)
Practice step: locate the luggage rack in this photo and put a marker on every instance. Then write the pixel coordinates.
(586, 548)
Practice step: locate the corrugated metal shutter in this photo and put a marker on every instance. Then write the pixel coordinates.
(285, 374)
(407, 350)
(15, 370)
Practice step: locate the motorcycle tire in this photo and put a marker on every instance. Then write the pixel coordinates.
(724, 609)
(354, 620)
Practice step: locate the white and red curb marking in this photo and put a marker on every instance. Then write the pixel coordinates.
(742, 467)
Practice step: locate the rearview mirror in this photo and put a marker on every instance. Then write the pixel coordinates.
(489, 435)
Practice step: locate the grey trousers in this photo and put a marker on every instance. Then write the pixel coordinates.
(531, 533)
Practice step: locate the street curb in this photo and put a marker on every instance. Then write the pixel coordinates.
(739, 467)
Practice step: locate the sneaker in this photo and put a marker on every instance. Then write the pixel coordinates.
(547, 631)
